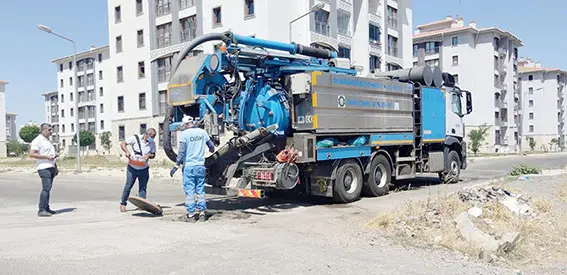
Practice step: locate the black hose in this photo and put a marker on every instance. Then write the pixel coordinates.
(169, 111)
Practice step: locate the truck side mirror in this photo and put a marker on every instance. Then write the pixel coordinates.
(469, 102)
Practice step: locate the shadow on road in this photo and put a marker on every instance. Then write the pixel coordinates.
(64, 210)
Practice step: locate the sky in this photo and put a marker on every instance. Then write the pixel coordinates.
(25, 51)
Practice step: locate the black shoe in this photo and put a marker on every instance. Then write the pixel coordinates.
(43, 214)
(192, 218)
(51, 211)
(202, 217)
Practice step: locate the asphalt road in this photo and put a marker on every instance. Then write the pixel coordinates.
(243, 236)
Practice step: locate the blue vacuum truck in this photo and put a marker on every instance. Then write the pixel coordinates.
(302, 119)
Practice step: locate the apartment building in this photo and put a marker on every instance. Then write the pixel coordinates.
(543, 106)
(145, 36)
(52, 115)
(11, 131)
(483, 61)
(93, 103)
(3, 118)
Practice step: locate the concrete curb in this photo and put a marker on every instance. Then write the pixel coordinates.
(472, 159)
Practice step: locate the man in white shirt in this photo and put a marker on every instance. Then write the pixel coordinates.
(143, 149)
(44, 152)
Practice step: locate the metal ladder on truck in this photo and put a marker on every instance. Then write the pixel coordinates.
(416, 156)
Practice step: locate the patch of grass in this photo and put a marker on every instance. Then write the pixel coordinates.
(431, 222)
(524, 170)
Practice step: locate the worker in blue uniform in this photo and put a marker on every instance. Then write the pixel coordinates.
(192, 155)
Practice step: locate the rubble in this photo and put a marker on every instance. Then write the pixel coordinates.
(480, 196)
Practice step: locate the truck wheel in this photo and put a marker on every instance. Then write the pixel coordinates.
(348, 182)
(454, 172)
(378, 182)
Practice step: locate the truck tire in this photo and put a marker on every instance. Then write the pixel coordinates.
(379, 177)
(454, 168)
(348, 182)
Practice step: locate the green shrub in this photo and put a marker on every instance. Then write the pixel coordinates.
(524, 170)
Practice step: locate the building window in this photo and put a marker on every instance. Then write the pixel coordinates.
(141, 70)
(72, 127)
(71, 96)
(140, 38)
(139, 8)
(322, 22)
(163, 7)
(121, 104)
(70, 81)
(531, 103)
(118, 44)
(142, 101)
(392, 46)
(455, 60)
(456, 77)
(70, 65)
(99, 57)
(374, 63)
(163, 35)
(62, 113)
(100, 91)
(62, 98)
(531, 128)
(119, 74)
(531, 116)
(530, 77)
(102, 125)
(217, 17)
(162, 102)
(454, 41)
(143, 128)
(188, 28)
(432, 47)
(344, 52)
(101, 108)
(164, 69)
(61, 67)
(61, 83)
(392, 17)
(63, 128)
(90, 79)
(72, 112)
(248, 8)
(117, 15)
(121, 133)
(374, 34)
(99, 75)
(343, 20)
(531, 90)
(184, 4)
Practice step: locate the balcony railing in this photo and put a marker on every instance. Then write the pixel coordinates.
(322, 28)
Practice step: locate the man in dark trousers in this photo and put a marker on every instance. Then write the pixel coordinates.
(143, 149)
(43, 151)
(192, 155)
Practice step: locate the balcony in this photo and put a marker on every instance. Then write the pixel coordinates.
(322, 28)
(502, 51)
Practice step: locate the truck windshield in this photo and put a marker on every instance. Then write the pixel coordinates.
(456, 103)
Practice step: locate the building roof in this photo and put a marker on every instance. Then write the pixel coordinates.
(523, 69)
(449, 30)
(11, 114)
(4, 82)
(50, 93)
(81, 55)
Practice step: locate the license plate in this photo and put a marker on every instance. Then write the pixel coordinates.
(264, 175)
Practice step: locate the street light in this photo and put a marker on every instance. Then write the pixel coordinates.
(48, 30)
(314, 8)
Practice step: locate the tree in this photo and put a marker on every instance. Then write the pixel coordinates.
(554, 142)
(105, 140)
(14, 147)
(476, 137)
(29, 132)
(87, 138)
(532, 143)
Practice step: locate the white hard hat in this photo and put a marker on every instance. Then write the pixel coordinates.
(187, 119)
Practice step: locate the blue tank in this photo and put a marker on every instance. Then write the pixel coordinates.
(262, 106)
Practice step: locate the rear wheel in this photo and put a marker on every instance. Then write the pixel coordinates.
(378, 181)
(348, 182)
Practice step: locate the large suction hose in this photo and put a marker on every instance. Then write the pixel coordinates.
(182, 54)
